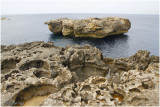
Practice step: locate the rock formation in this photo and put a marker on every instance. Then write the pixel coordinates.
(77, 76)
(3, 18)
(91, 27)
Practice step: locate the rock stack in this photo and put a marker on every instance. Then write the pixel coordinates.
(91, 27)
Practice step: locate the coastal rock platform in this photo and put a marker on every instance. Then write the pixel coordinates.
(76, 76)
(91, 27)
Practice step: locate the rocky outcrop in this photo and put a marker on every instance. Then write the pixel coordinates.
(138, 61)
(91, 27)
(77, 76)
(3, 18)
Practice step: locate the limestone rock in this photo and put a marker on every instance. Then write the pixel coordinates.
(77, 76)
(86, 93)
(140, 61)
(91, 27)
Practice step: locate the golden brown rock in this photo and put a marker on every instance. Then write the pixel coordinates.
(91, 27)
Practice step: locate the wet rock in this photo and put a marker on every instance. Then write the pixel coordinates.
(91, 27)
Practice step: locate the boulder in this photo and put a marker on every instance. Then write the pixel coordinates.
(91, 27)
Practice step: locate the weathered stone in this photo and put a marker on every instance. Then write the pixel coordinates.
(56, 25)
(139, 61)
(76, 76)
(91, 27)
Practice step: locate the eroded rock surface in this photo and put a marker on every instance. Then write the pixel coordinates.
(91, 27)
(77, 76)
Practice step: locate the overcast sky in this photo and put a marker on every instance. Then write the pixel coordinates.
(79, 6)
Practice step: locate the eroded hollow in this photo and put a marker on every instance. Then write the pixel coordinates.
(34, 64)
(117, 95)
(10, 73)
(9, 64)
(86, 88)
(134, 90)
(138, 101)
(41, 73)
(98, 81)
(85, 72)
(33, 93)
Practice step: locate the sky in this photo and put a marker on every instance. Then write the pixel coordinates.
(79, 6)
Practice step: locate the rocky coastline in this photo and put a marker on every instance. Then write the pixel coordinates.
(90, 27)
(77, 76)
(3, 18)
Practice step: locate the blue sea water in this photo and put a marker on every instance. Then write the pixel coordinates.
(143, 35)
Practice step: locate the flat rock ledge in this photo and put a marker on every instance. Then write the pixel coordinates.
(91, 27)
(77, 76)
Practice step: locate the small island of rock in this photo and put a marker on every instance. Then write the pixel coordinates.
(4, 18)
(91, 27)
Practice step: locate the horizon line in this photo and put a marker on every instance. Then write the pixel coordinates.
(79, 13)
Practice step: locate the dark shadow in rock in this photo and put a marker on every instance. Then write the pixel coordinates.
(8, 64)
(34, 64)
